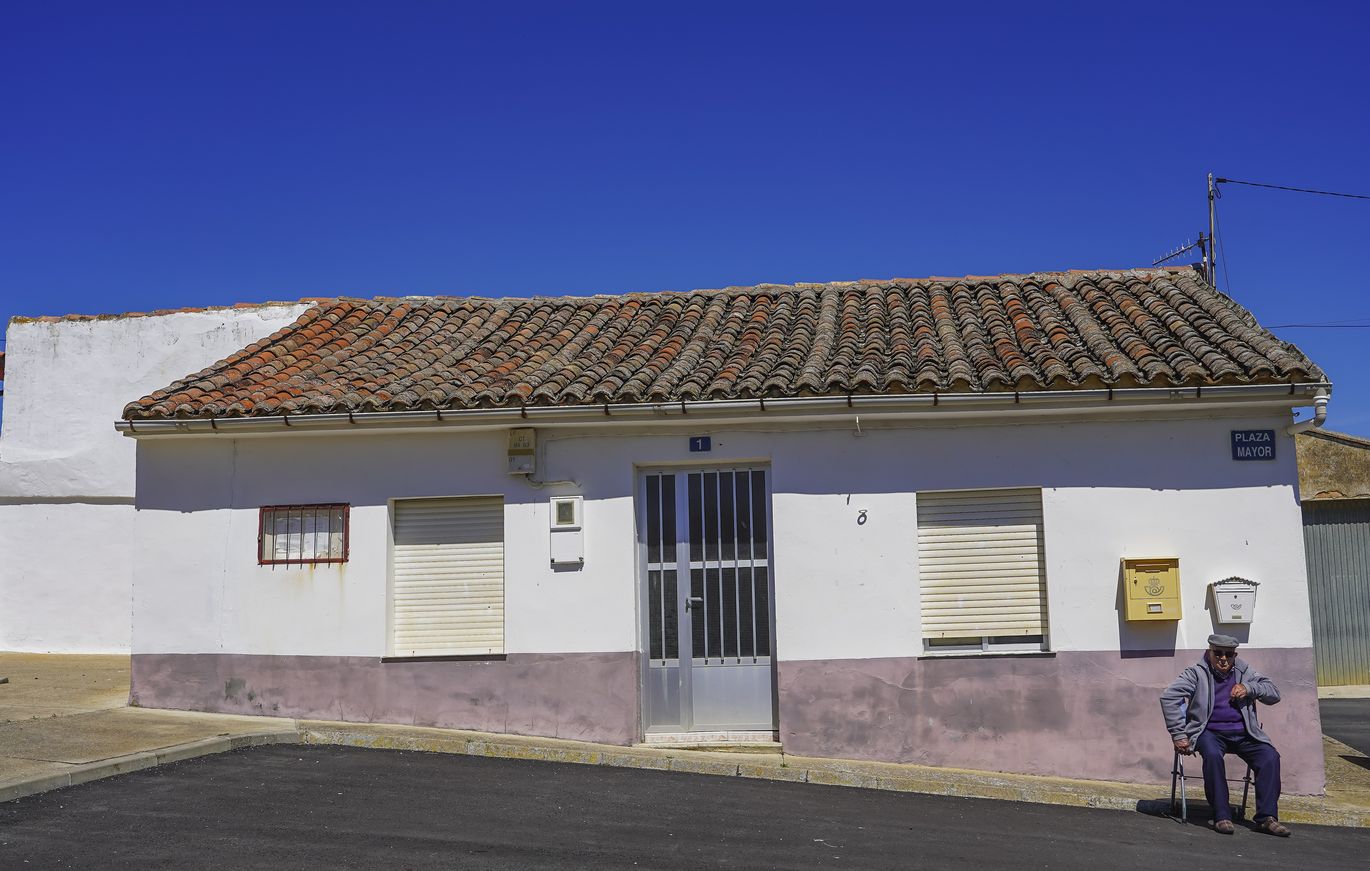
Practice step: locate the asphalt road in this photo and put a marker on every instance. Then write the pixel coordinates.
(1347, 720)
(326, 807)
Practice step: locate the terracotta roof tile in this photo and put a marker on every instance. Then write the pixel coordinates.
(1045, 331)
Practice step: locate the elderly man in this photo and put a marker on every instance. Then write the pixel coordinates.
(1211, 708)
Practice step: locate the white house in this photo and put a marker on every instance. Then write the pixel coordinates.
(881, 520)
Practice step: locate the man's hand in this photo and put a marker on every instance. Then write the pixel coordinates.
(1182, 745)
(1239, 692)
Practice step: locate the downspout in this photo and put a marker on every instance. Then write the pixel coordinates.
(1319, 414)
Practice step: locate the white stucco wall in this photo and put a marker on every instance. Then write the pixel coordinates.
(64, 577)
(1136, 489)
(843, 589)
(66, 476)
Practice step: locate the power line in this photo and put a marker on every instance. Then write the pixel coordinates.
(1217, 240)
(1320, 326)
(1280, 187)
(1361, 321)
(1222, 247)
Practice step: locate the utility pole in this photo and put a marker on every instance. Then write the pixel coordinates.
(1212, 253)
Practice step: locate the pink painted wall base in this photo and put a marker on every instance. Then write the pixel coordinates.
(1091, 715)
(579, 696)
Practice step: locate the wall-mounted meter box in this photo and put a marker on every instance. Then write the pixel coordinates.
(1234, 600)
(522, 451)
(567, 530)
(1151, 588)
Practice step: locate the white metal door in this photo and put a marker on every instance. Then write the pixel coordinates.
(708, 592)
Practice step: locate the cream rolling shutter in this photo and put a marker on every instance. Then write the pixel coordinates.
(447, 576)
(980, 563)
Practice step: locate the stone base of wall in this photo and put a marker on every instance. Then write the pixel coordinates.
(579, 696)
(1092, 715)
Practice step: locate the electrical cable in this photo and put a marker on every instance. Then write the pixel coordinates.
(1320, 326)
(1280, 187)
(1222, 249)
(1359, 322)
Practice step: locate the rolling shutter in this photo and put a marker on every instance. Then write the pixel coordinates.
(980, 563)
(447, 576)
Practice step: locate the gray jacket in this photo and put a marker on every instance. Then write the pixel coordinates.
(1194, 688)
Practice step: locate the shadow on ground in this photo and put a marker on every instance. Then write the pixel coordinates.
(1200, 814)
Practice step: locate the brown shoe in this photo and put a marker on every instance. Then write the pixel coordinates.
(1224, 827)
(1272, 826)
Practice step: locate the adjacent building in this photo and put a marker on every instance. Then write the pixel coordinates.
(67, 479)
(1334, 484)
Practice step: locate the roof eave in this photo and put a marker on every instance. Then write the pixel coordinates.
(919, 405)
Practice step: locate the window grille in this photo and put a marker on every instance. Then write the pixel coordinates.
(302, 534)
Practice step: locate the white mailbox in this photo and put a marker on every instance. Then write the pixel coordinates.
(567, 530)
(1235, 600)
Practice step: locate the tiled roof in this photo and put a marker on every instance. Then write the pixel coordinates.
(1046, 331)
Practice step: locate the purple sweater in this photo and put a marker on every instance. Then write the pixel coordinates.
(1225, 718)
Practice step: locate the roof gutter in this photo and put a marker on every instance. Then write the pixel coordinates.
(876, 407)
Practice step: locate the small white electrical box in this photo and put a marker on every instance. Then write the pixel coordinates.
(567, 524)
(522, 451)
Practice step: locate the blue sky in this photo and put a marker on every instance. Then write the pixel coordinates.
(168, 155)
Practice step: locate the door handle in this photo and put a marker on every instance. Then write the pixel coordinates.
(692, 602)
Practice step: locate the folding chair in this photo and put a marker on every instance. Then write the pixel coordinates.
(1178, 778)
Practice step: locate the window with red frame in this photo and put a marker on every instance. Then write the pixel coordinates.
(293, 535)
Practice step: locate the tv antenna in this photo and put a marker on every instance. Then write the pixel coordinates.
(1207, 249)
(1203, 244)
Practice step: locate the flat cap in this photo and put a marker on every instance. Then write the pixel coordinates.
(1222, 641)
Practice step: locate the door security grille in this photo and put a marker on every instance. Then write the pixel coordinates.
(729, 568)
(708, 598)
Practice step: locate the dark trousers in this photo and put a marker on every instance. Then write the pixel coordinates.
(1265, 764)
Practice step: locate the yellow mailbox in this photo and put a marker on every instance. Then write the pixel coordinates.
(1151, 588)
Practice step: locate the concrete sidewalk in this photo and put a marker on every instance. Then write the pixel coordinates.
(1355, 691)
(64, 721)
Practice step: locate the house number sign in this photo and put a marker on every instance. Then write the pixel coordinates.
(701, 444)
(1253, 444)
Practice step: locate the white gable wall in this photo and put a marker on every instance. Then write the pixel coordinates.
(67, 478)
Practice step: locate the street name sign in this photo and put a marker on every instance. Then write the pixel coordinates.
(1253, 444)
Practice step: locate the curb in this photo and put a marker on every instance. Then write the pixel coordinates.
(88, 771)
(960, 784)
(1354, 691)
